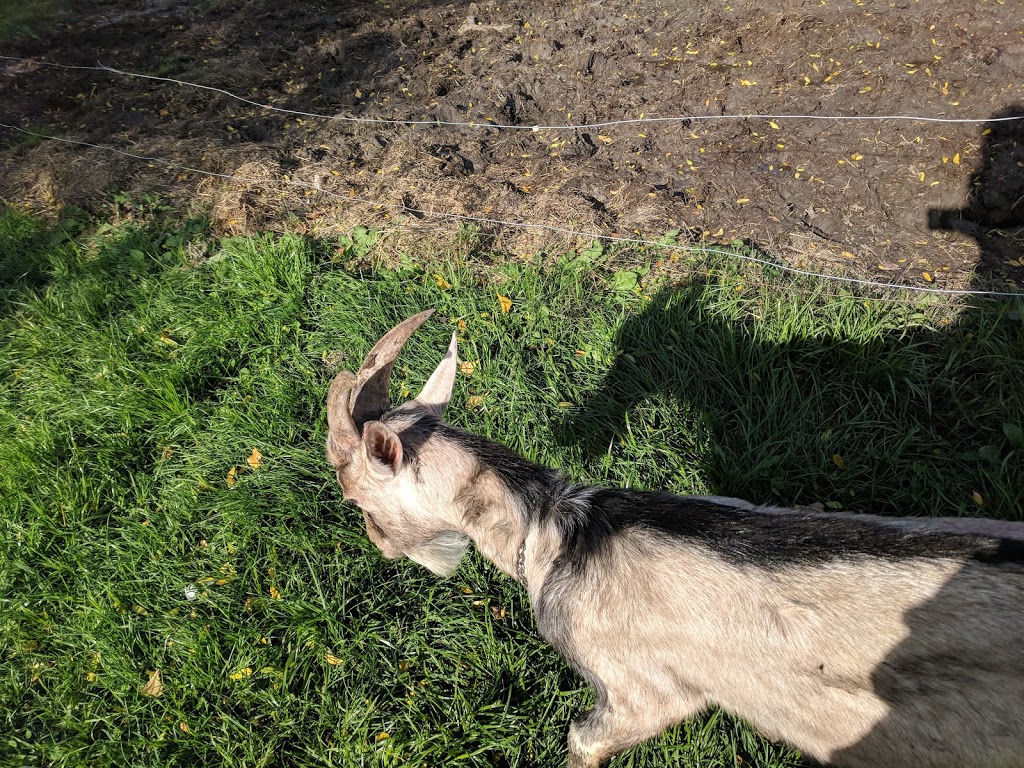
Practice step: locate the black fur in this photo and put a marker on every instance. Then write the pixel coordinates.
(774, 541)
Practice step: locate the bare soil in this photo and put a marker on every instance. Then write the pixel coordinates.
(938, 204)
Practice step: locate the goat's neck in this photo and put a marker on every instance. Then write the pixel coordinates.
(490, 518)
(509, 536)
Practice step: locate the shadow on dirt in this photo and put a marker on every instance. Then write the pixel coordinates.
(295, 55)
(802, 419)
(994, 213)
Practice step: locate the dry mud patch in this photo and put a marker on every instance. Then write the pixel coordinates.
(938, 204)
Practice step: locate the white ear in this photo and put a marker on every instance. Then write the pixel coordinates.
(438, 389)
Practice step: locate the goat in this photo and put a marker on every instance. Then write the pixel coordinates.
(860, 640)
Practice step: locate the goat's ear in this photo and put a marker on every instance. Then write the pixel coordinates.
(383, 445)
(438, 389)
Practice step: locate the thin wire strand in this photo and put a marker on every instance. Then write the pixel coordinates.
(531, 226)
(486, 123)
(47, 63)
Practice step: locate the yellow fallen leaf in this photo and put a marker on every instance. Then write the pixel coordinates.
(382, 736)
(856, 156)
(956, 159)
(462, 326)
(255, 459)
(475, 401)
(743, 200)
(333, 660)
(230, 479)
(244, 672)
(920, 176)
(467, 367)
(748, 82)
(441, 282)
(154, 687)
(977, 499)
(184, 727)
(928, 278)
(506, 303)
(605, 139)
(838, 460)
(275, 592)
(773, 124)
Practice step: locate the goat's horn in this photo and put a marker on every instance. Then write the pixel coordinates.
(342, 433)
(369, 395)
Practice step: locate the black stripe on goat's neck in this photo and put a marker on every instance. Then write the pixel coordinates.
(543, 495)
(588, 518)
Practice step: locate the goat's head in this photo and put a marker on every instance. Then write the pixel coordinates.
(406, 506)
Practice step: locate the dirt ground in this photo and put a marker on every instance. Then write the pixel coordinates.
(938, 204)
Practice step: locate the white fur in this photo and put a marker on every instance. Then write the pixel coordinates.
(442, 554)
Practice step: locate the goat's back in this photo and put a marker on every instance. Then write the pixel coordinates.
(862, 641)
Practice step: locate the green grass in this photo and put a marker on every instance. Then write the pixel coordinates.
(20, 19)
(132, 379)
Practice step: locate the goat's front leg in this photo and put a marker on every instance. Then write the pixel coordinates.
(622, 720)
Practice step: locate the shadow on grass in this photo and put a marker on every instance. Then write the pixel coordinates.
(818, 408)
(35, 253)
(821, 413)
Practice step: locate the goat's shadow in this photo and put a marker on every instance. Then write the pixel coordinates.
(797, 419)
